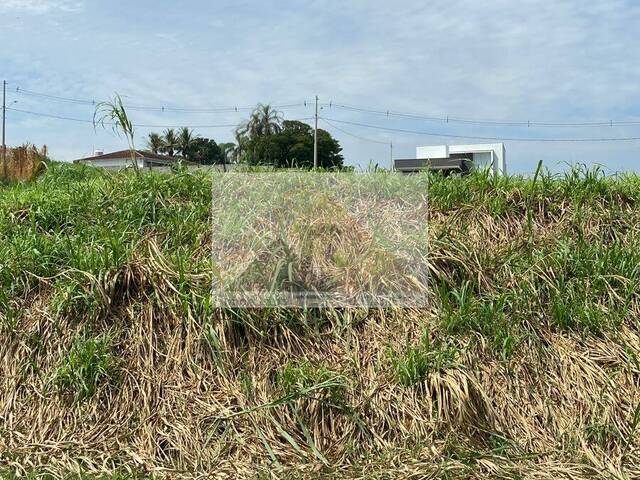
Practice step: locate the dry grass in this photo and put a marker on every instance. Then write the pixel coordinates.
(22, 163)
(343, 239)
(525, 365)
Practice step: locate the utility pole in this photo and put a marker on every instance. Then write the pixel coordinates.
(4, 116)
(391, 156)
(315, 139)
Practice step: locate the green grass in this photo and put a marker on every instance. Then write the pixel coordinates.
(81, 222)
(413, 364)
(296, 378)
(75, 222)
(89, 364)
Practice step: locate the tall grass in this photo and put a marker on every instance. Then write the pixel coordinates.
(523, 363)
(113, 114)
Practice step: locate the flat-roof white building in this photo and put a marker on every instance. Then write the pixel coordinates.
(456, 158)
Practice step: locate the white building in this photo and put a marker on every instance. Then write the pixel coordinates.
(456, 158)
(122, 159)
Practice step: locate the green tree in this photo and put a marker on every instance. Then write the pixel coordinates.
(264, 121)
(271, 150)
(292, 147)
(186, 140)
(170, 140)
(228, 152)
(155, 143)
(204, 151)
(329, 151)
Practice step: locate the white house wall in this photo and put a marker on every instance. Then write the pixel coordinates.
(483, 154)
(483, 160)
(433, 151)
(499, 166)
(114, 163)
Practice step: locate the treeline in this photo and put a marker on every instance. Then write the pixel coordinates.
(191, 147)
(264, 139)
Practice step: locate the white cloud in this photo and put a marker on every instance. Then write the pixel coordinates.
(42, 6)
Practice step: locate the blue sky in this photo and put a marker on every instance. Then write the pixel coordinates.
(555, 61)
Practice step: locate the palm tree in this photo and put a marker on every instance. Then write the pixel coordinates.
(170, 140)
(155, 143)
(264, 120)
(185, 141)
(228, 152)
(270, 120)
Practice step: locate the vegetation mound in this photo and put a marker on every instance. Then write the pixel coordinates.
(115, 360)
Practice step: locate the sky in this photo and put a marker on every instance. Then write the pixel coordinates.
(560, 61)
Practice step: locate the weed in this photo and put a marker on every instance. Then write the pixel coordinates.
(465, 313)
(603, 434)
(89, 364)
(414, 363)
(295, 378)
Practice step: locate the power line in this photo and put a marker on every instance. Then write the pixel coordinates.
(471, 121)
(347, 107)
(389, 144)
(351, 108)
(472, 137)
(352, 134)
(81, 120)
(357, 124)
(141, 125)
(79, 101)
(50, 116)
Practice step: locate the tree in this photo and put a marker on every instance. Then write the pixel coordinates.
(329, 151)
(155, 143)
(204, 151)
(185, 141)
(264, 121)
(292, 147)
(267, 150)
(170, 142)
(267, 120)
(228, 152)
(192, 147)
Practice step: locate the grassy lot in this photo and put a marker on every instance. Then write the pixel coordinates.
(115, 360)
